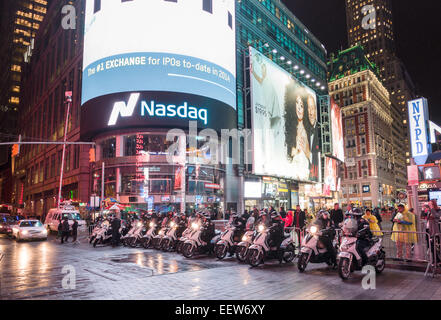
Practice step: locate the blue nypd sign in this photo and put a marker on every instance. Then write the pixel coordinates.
(418, 125)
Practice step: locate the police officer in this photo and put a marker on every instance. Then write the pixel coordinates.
(364, 234)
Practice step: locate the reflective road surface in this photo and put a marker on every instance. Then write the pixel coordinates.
(49, 270)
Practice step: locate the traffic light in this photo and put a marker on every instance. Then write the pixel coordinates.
(15, 150)
(92, 155)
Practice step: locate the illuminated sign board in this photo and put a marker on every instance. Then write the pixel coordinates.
(418, 120)
(179, 56)
(253, 189)
(284, 119)
(338, 148)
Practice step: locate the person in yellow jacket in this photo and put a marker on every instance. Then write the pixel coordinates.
(373, 223)
(404, 221)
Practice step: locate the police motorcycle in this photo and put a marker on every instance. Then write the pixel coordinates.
(154, 225)
(313, 249)
(104, 234)
(200, 241)
(228, 240)
(176, 228)
(349, 260)
(188, 231)
(246, 240)
(265, 244)
(133, 229)
(95, 231)
(165, 227)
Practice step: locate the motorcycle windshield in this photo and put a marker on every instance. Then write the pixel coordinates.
(350, 226)
(250, 223)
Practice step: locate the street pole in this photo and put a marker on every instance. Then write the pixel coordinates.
(68, 95)
(102, 188)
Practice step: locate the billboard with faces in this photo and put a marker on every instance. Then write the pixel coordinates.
(284, 119)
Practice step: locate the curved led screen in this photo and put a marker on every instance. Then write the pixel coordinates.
(146, 49)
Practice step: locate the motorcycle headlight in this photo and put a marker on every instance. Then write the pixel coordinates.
(244, 238)
(25, 232)
(151, 224)
(313, 229)
(172, 224)
(161, 232)
(44, 232)
(195, 226)
(139, 224)
(261, 228)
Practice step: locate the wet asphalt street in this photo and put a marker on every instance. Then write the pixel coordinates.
(49, 270)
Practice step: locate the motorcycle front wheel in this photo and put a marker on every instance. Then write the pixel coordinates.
(158, 244)
(220, 251)
(344, 268)
(254, 258)
(133, 242)
(188, 250)
(241, 253)
(380, 268)
(302, 262)
(289, 254)
(146, 242)
(95, 242)
(165, 244)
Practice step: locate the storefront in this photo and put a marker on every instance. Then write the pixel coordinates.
(138, 174)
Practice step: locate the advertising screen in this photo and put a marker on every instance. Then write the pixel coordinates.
(284, 120)
(167, 54)
(330, 176)
(435, 195)
(338, 147)
(253, 189)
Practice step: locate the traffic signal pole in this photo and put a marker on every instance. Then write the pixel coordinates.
(69, 102)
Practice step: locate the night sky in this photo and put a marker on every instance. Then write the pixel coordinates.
(417, 26)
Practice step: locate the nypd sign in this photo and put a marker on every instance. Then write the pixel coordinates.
(418, 120)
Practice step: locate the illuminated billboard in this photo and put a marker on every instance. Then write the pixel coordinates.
(170, 53)
(331, 181)
(284, 120)
(338, 147)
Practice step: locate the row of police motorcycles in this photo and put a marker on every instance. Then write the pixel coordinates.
(253, 240)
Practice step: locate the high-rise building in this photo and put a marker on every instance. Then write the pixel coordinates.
(370, 158)
(370, 23)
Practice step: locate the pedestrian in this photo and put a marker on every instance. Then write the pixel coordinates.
(432, 226)
(377, 215)
(373, 223)
(116, 225)
(288, 219)
(403, 220)
(337, 215)
(65, 230)
(299, 223)
(60, 226)
(282, 212)
(75, 231)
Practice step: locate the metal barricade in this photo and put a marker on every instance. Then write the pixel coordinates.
(408, 246)
(90, 228)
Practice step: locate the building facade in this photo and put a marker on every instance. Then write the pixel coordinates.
(379, 44)
(271, 28)
(369, 169)
(54, 67)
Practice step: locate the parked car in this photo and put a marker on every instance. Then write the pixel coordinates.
(5, 224)
(55, 215)
(29, 229)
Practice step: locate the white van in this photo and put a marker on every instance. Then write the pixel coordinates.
(55, 215)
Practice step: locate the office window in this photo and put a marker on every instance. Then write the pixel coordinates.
(97, 6)
(207, 5)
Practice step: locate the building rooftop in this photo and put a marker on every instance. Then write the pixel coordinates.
(350, 61)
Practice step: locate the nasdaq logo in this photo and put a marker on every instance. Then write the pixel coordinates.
(123, 109)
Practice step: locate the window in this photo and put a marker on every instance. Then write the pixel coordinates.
(96, 6)
(207, 5)
(108, 148)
